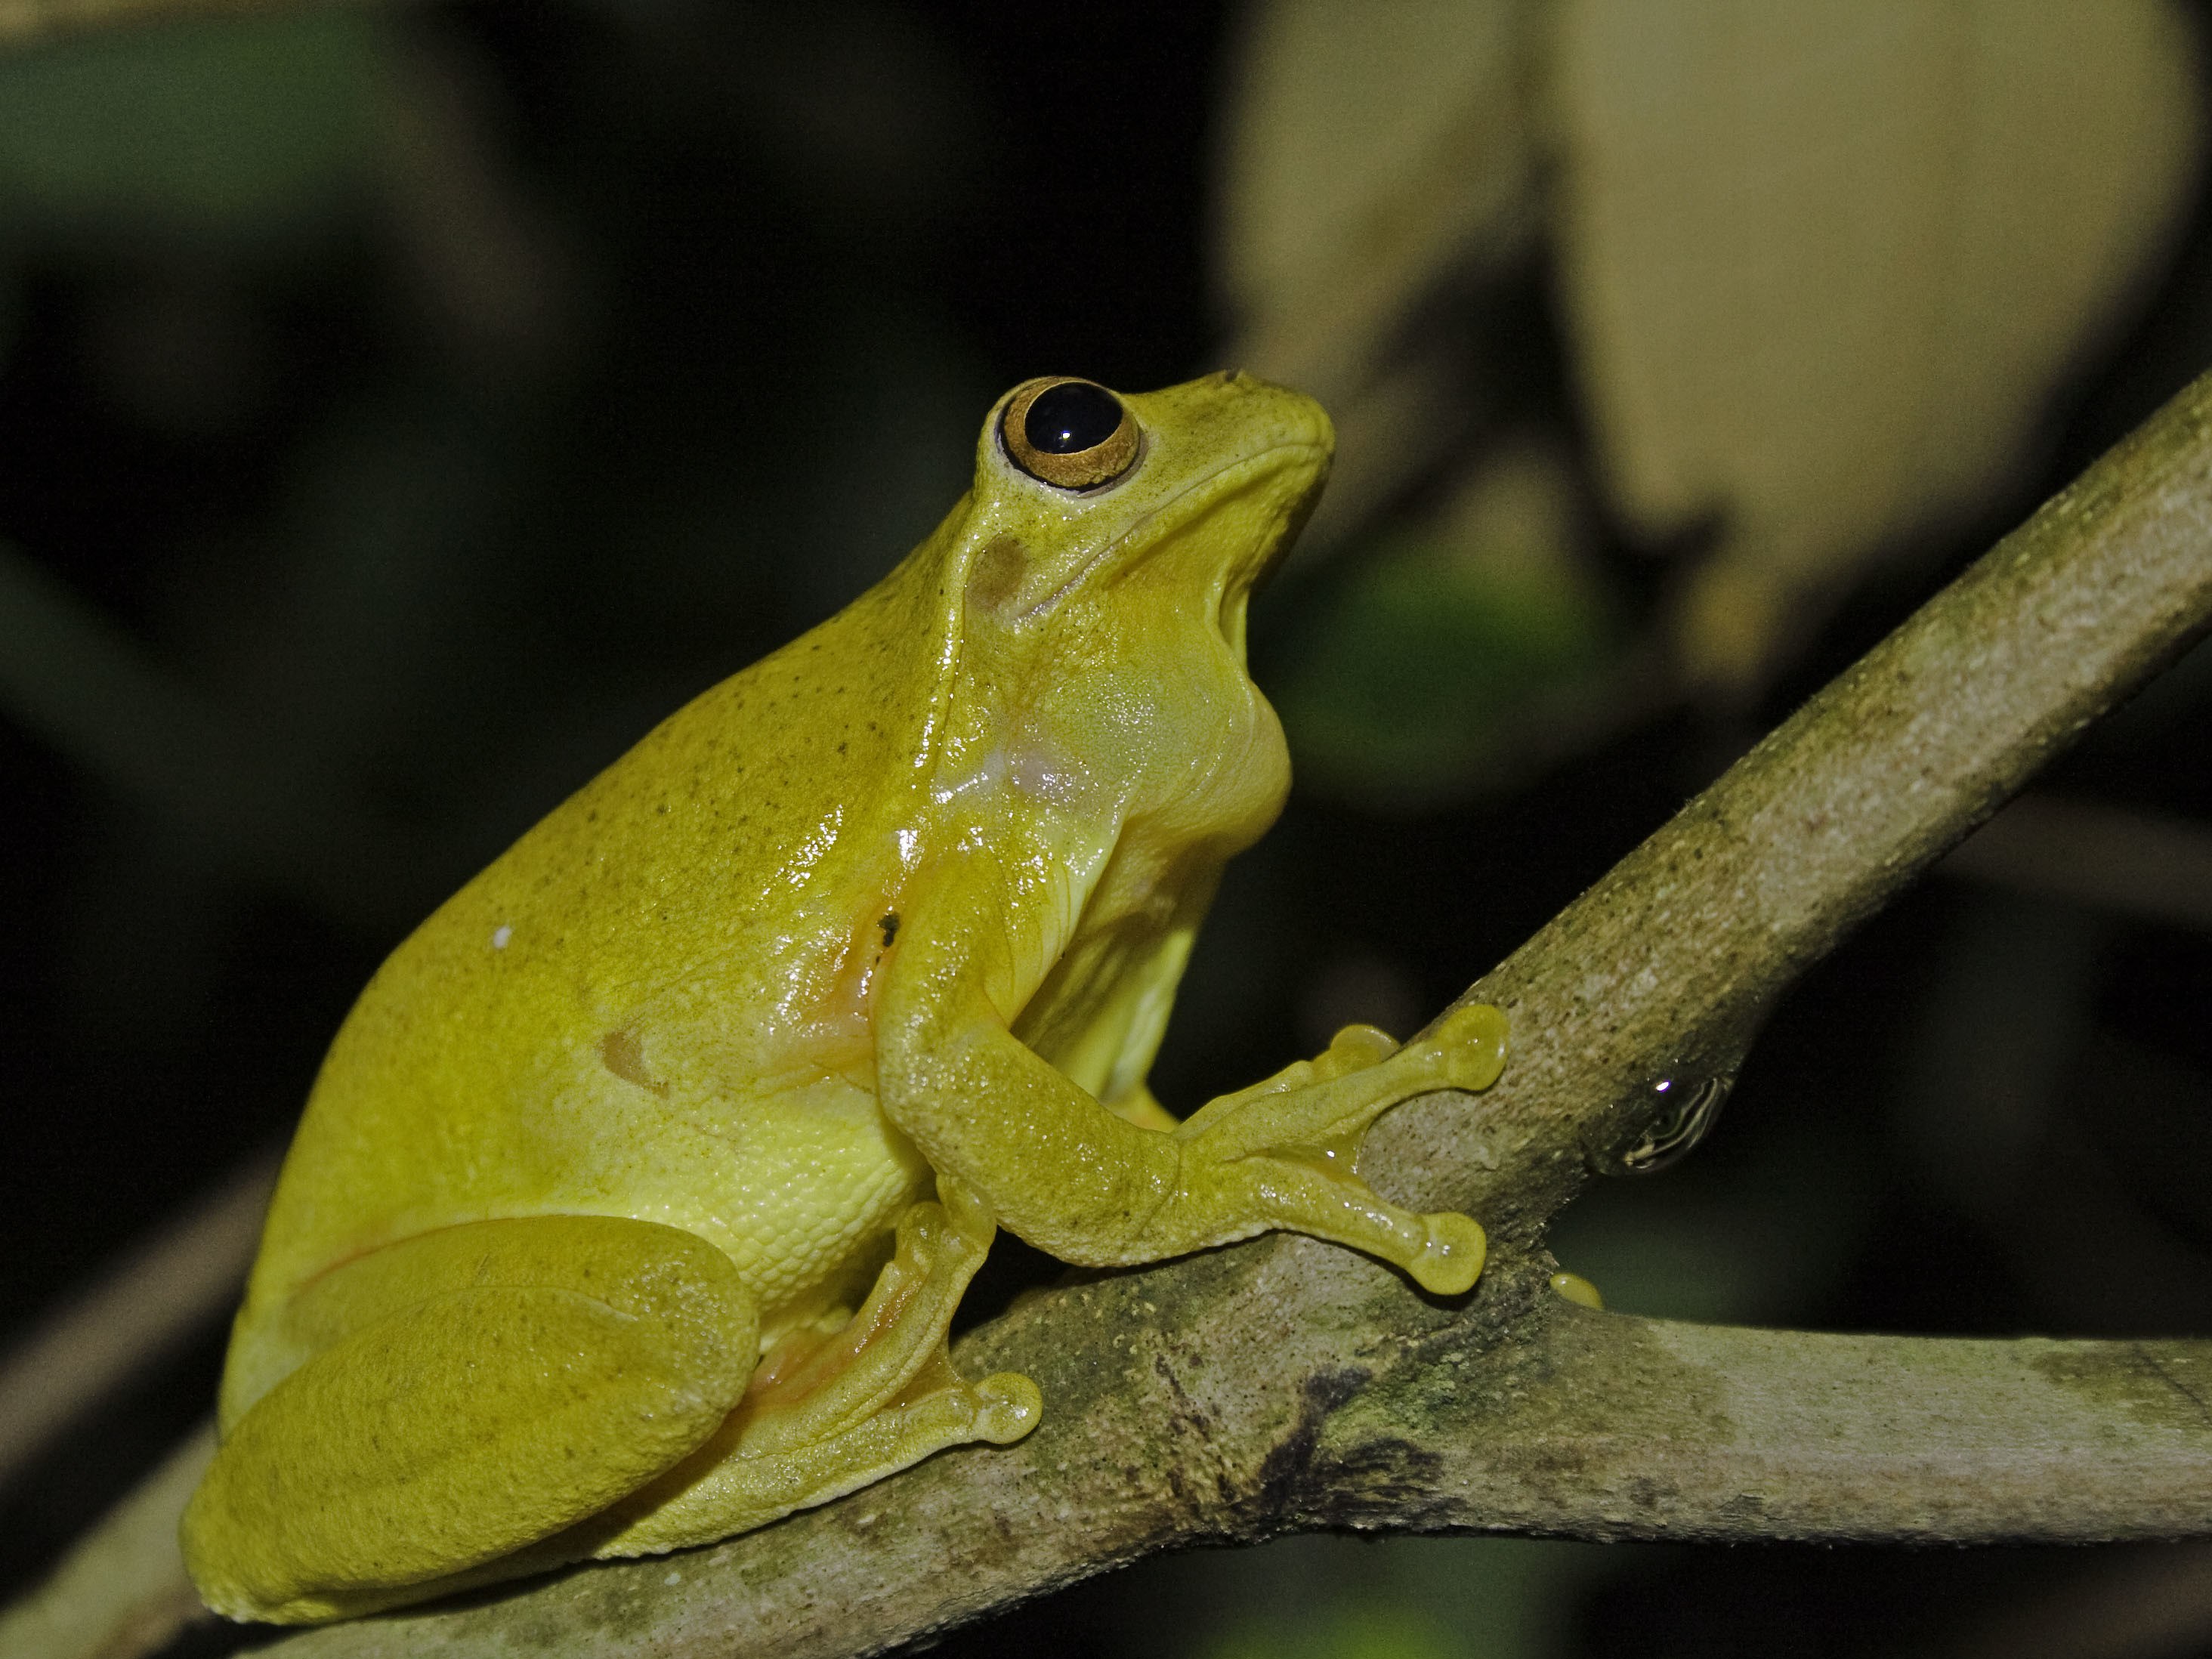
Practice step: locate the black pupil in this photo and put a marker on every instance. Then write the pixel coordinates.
(1071, 418)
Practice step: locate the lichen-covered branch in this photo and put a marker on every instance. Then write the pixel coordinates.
(1288, 1384)
(1685, 1431)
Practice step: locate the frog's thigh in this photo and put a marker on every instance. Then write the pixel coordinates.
(497, 1381)
(877, 1397)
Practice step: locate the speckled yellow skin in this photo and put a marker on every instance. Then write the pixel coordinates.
(635, 1194)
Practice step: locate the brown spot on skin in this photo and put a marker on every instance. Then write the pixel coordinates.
(996, 573)
(620, 1052)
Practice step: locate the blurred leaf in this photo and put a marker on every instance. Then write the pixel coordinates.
(11, 318)
(1350, 1630)
(223, 130)
(1446, 631)
(1373, 159)
(1366, 145)
(2151, 1117)
(1334, 1596)
(1824, 263)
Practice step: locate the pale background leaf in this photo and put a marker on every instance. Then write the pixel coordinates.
(1825, 264)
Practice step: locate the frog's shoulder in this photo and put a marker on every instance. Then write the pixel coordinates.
(741, 778)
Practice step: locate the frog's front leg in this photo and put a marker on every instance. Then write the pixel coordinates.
(827, 1416)
(1074, 1179)
(467, 1392)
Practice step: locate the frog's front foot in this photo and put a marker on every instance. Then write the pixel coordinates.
(1322, 1107)
(1281, 1155)
(1007, 1406)
(1467, 1050)
(1451, 1260)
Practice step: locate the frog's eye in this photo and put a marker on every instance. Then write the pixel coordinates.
(1072, 434)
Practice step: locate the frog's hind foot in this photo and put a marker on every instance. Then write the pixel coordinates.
(829, 1414)
(710, 1497)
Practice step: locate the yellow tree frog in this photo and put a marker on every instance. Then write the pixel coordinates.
(632, 1203)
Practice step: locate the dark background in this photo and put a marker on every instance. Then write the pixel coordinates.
(435, 522)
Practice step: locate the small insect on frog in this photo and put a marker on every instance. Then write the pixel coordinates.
(635, 1195)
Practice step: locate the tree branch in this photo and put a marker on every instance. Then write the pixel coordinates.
(1689, 1431)
(1287, 1384)
(1301, 1415)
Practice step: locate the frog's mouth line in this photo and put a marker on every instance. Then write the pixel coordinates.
(1255, 463)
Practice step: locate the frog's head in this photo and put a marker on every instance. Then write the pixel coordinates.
(1102, 565)
(1129, 513)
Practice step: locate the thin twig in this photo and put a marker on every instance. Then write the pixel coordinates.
(166, 1288)
(122, 1591)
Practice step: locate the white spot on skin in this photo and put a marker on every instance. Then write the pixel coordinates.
(990, 774)
(499, 935)
(1037, 770)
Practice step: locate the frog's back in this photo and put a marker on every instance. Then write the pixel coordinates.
(558, 1036)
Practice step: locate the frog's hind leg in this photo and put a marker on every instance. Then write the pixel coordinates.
(470, 1391)
(873, 1399)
